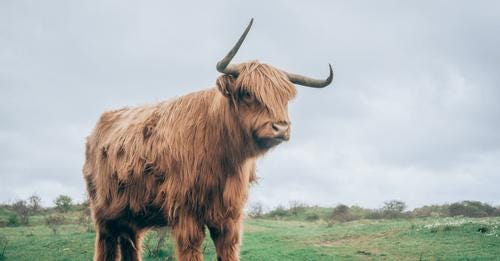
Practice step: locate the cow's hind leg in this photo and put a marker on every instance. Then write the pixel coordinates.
(105, 245)
(130, 245)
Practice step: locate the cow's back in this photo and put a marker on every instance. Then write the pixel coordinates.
(133, 155)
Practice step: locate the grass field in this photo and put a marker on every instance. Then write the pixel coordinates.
(265, 239)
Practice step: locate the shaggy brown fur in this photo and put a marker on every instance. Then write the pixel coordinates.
(185, 163)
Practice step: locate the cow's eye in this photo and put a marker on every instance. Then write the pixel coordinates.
(246, 96)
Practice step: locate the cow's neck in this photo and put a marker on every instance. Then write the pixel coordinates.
(232, 145)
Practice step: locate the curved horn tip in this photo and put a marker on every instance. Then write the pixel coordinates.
(330, 77)
(328, 80)
(222, 64)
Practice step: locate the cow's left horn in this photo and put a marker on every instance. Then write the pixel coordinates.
(223, 65)
(310, 82)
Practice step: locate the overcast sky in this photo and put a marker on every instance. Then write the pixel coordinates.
(413, 113)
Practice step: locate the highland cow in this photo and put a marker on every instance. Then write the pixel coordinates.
(187, 163)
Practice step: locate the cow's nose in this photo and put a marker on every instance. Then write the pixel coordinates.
(280, 129)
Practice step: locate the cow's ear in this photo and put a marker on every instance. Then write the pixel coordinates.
(225, 85)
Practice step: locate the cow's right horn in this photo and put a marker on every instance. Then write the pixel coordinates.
(223, 65)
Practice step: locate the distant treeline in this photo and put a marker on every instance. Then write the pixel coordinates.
(390, 210)
(20, 212)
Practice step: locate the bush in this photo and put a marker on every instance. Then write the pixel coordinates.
(312, 217)
(13, 221)
(375, 214)
(256, 210)
(155, 240)
(280, 211)
(358, 212)
(393, 209)
(471, 209)
(35, 204)
(3, 246)
(22, 210)
(341, 213)
(297, 207)
(54, 222)
(431, 211)
(63, 203)
(85, 219)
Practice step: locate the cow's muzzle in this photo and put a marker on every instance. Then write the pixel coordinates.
(281, 131)
(272, 134)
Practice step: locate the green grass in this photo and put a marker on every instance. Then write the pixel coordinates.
(265, 239)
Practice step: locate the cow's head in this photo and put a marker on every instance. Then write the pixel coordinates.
(260, 94)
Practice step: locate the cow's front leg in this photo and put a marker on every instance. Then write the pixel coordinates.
(227, 239)
(189, 235)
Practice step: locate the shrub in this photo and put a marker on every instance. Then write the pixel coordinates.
(54, 222)
(431, 211)
(155, 240)
(63, 203)
(3, 246)
(393, 209)
(357, 212)
(280, 211)
(13, 221)
(35, 204)
(456, 209)
(22, 210)
(341, 213)
(255, 210)
(471, 209)
(297, 207)
(312, 217)
(85, 219)
(375, 214)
